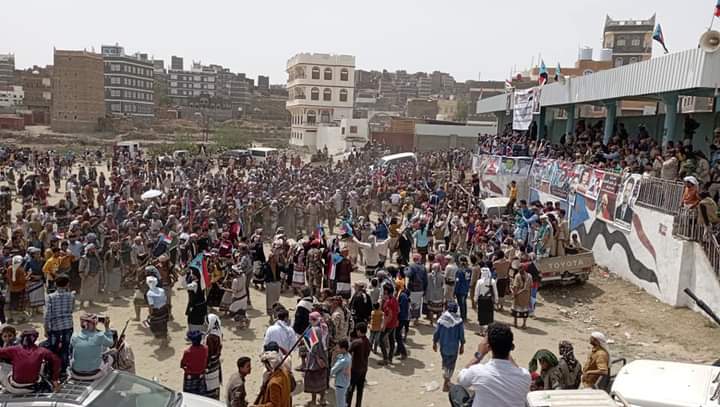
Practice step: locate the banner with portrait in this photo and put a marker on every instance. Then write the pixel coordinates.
(625, 202)
(605, 206)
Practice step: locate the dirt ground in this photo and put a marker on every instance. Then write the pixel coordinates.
(637, 324)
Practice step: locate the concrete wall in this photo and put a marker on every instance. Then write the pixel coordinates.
(645, 252)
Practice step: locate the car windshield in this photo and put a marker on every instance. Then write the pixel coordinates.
(133, 391)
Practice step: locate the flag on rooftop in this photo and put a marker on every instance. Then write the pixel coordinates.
(659, 37)
(557, 72)
(543, 73)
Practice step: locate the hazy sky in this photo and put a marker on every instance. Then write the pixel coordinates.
(464, 37)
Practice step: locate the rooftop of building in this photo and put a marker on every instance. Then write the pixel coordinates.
(609, 22)
(322, 59)
(77, 53)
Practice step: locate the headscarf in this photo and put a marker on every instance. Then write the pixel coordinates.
(88, 321)
(28, 337)
(542, 354)
(16, 262)
(316, 321)
(601, 340)
(151, 282)
(567, 352)
(450, 318)
(195, 337)
(271, 359)
(214, 325)
(485, 281)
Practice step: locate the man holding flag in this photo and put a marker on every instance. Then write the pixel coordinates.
(197, 280)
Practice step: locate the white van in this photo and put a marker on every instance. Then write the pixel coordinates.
(494, 207)
(573, 398)
(262, 153)
(395, 159)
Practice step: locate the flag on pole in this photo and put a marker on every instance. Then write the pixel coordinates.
(543, 74)
(319, 232)
(311, 338)
(199, 263)
(717, 9)
(557, 72)
(659, 37)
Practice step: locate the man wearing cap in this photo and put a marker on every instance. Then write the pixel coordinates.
(90, 268)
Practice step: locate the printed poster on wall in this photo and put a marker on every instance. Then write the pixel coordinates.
(523, 109)
(605, 207)
(492, 166)
(590, 182)
(625, 203)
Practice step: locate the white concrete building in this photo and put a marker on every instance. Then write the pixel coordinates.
(11, 96)
(321, 91)
(341, 137)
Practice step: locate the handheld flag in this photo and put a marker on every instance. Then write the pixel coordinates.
(311, 338)
(557, 73)
(717, 9)
(200, 264)
(659, 37)
(543, 74)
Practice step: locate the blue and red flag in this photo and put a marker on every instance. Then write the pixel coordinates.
(200, 264)
(660, 38)
(717, 9)
(543, 74)
(311, 338)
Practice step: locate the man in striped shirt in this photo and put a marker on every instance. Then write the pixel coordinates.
(58, 319)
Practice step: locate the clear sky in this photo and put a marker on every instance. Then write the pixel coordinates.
(467, 38)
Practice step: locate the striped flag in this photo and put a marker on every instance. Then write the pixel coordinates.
(319, 232)
(557, 72)
(543, 74)
(717, 9)
(200, 264)
(311, 337)
(659, 37)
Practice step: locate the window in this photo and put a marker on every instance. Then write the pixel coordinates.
(115, 80)
(633, 60)
(343, 95)
(115, 92)
(621, 42)
(115, 107)
(315, 72)
(353, 129)
(342, 131)
(618, 61)
(115, 67)
(636, 42)
(327, 75)
(325, 116)
(311, 118)
(588, 72)
(315, 94)
(344, 74)
(327, 95)
(299, 93)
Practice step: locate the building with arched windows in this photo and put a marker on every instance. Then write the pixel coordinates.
(321, 91)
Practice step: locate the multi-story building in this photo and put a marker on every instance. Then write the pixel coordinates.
(78, 91)
(263, 83)
(129, 83)
(183, 86)
(7, 69)
(234, 87)
(321, 91)
(37, 85)
(176, 63)
(160, 82)
(629, 40)
(11, 96)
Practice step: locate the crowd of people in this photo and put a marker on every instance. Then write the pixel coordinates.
(277, 226)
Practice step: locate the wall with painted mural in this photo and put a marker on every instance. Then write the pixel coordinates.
(632, 241)
(496, 172)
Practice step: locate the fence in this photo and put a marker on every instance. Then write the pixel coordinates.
(661, 194)
(686, 226)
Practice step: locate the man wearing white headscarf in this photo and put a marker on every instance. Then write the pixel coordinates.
(486, 296)
(90, 269)
(159, 310)
(598, 363)
(16, 286)
(277, 388)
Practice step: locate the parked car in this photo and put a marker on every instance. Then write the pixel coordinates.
(238, 155)
(116, 389)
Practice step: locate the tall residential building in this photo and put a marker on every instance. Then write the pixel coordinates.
(37, 85)
(184, 86)
(11, 96)
(78, 91)
(321, 91)
(176, 63)
(263, 83)
(629, 40)
(7, 69)
(128, 83)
